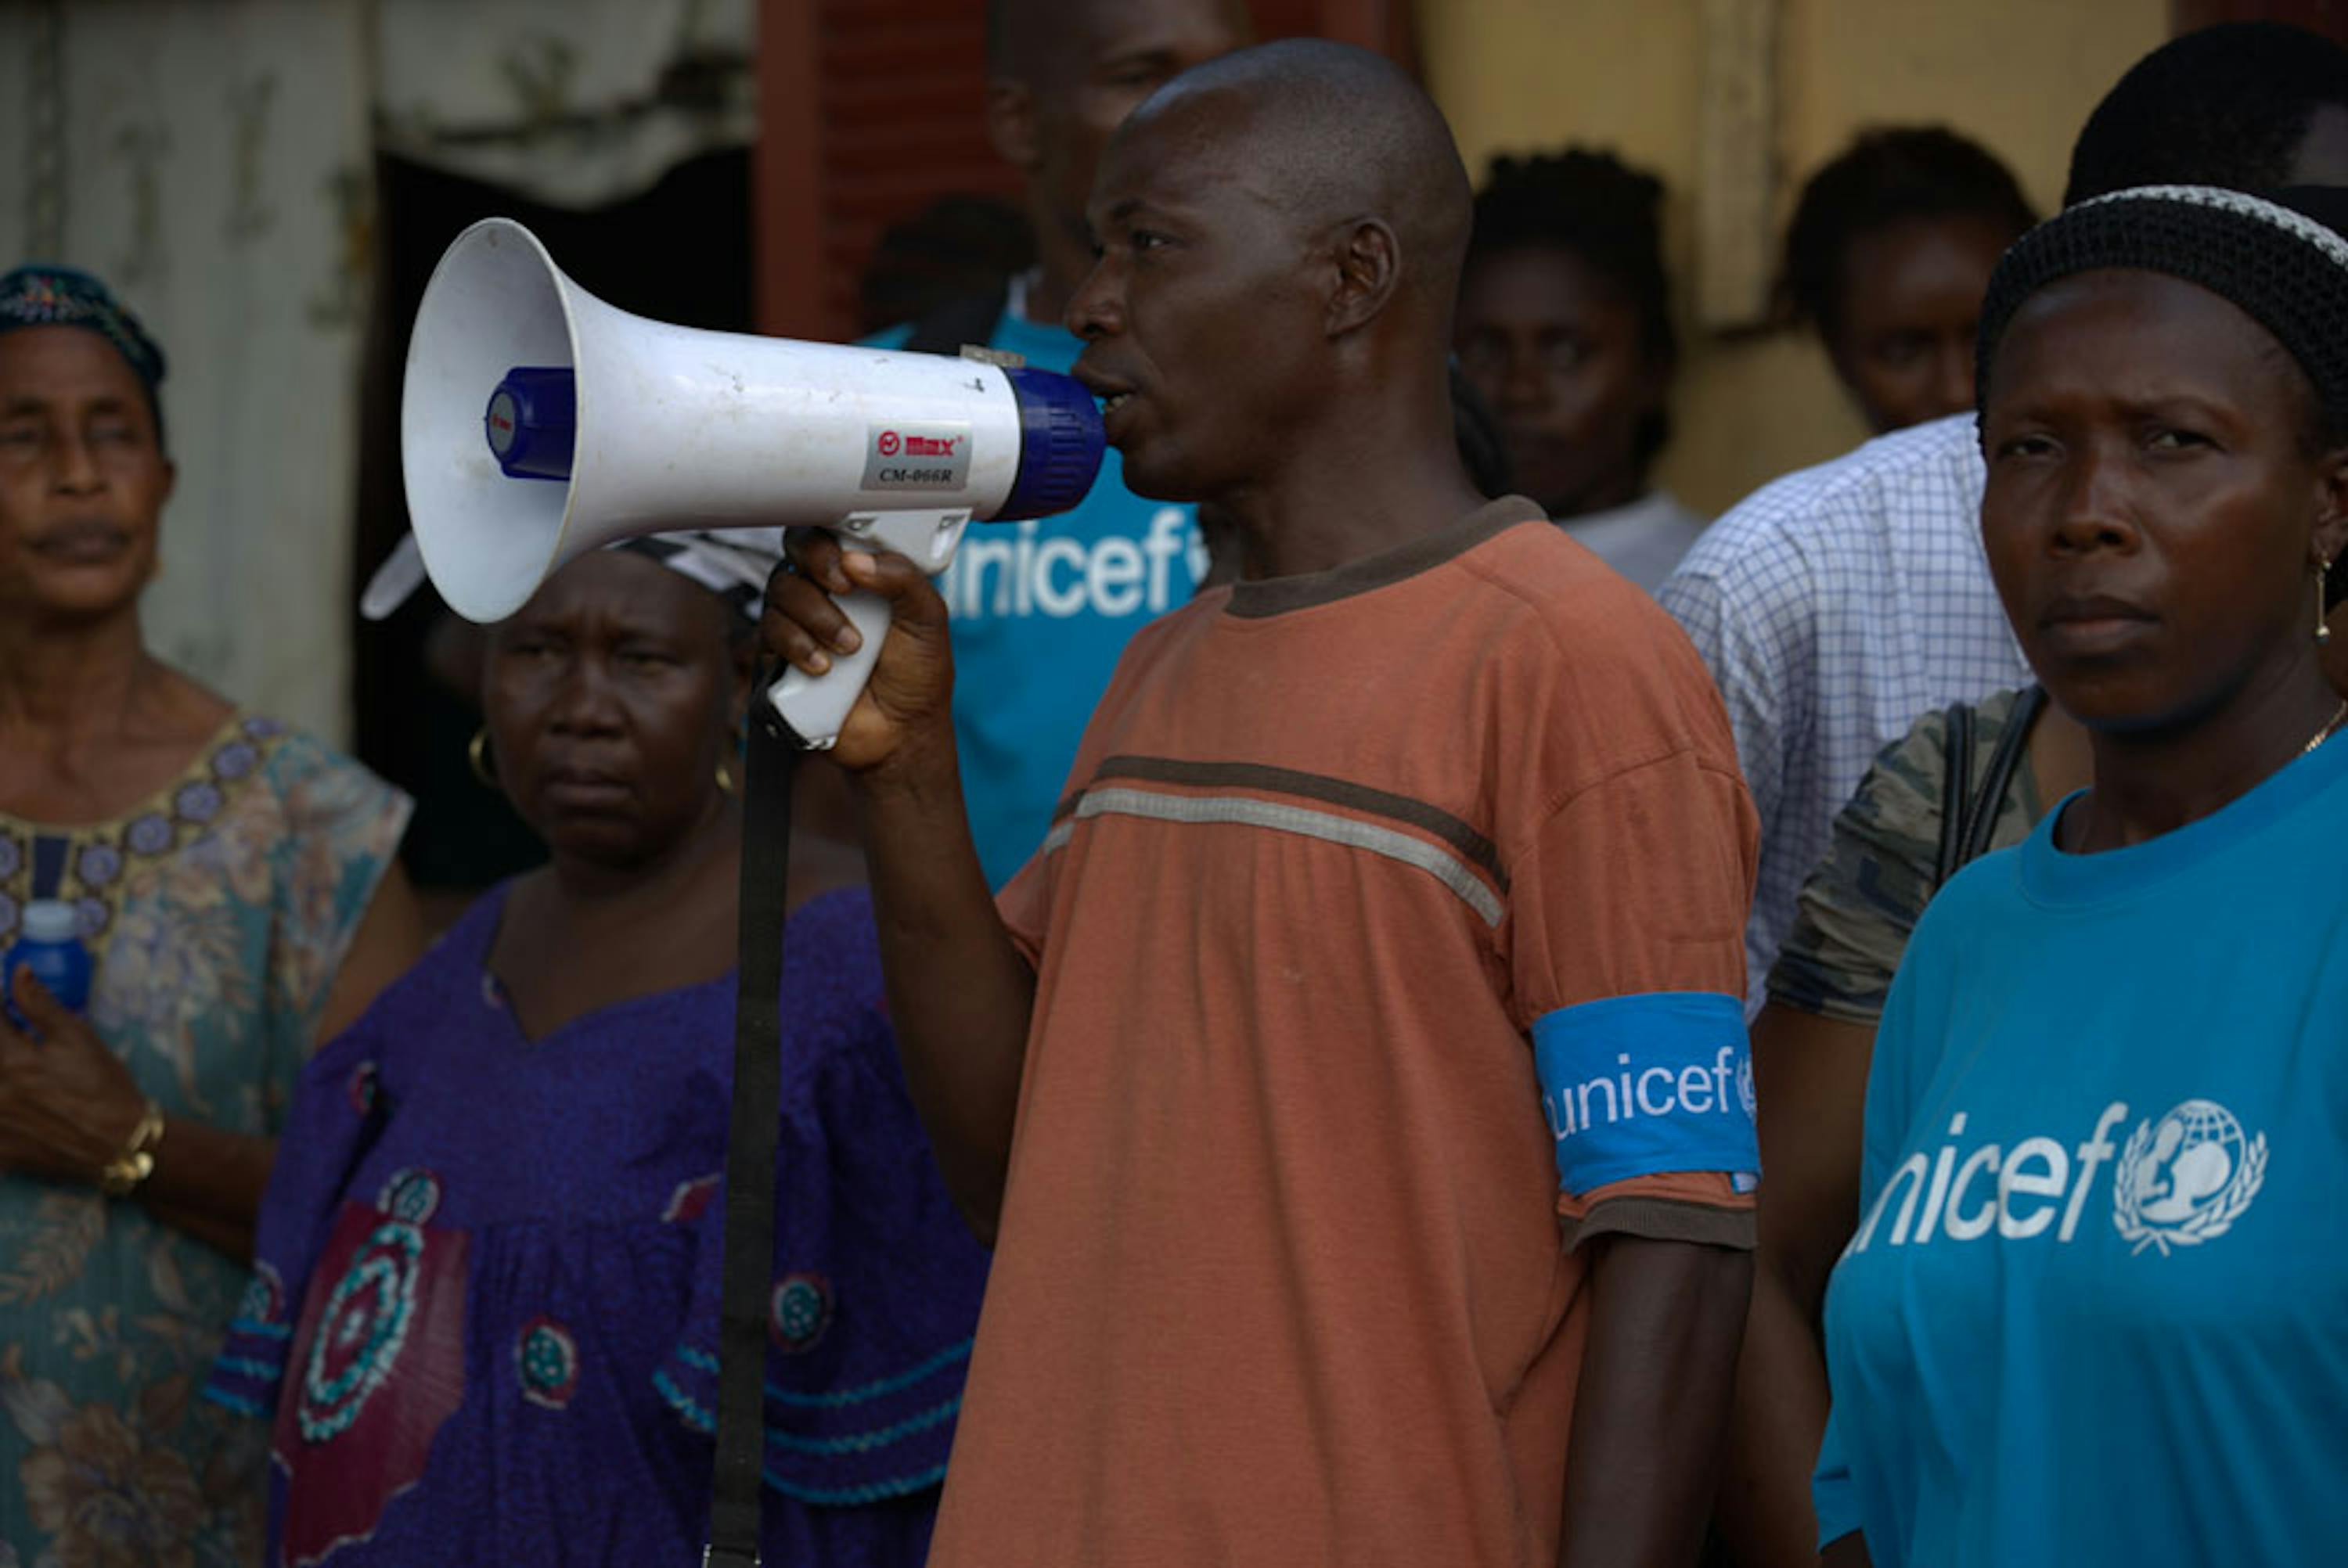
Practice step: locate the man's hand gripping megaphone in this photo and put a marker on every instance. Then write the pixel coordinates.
(906, 704)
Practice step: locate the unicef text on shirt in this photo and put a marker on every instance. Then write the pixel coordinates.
(1062, 579)
(2178, 1181)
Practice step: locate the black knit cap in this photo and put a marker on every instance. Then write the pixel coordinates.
(2279, 259)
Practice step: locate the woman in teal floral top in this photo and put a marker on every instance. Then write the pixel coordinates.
(236, 891)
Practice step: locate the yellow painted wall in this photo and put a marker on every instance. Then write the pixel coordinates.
(2019, 75)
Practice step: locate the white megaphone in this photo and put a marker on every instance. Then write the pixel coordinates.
(538, 423)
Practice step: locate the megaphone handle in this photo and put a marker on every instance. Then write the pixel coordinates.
(816, 706)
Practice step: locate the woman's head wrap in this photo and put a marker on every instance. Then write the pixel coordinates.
(732, 563)
(41, 296)
(2281, 261)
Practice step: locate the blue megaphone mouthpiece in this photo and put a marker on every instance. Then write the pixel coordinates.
(1060, 443)
(532, 422)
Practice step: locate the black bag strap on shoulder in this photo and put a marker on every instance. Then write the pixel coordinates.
(964, 319)
(1989, 798)
(736, 1482)
(1970, 810)
(1956, 790)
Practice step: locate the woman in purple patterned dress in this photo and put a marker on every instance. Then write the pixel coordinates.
(234, 885)
(487, 1315)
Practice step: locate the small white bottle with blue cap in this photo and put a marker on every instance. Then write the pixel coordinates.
(49, 944)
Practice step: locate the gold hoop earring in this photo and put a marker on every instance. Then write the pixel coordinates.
(737, 745)
(2322, 625)
(477, 752)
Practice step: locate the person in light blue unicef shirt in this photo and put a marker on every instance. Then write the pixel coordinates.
(1043, 609)
(2095, 1310)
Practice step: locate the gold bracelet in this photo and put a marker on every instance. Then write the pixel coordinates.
(120, 1175)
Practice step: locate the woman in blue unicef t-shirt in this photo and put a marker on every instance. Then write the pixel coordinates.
(2097, 1307)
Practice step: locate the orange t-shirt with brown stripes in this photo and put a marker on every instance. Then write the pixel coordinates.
(1286, 1273)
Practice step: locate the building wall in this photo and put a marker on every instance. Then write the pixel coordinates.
(2018, 76)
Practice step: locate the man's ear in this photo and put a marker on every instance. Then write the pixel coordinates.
(1368, 257)
(1011, 124)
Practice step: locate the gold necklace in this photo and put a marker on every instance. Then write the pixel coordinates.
(2330, 724)
(2338, 715)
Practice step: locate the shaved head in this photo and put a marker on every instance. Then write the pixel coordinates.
(1333, 135)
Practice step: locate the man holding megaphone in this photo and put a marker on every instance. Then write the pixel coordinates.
(1353, 1086)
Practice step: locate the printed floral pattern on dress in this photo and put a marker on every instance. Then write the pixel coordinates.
(53, 1248)
(211, 964)
(365, 1323)
(110, 1498)
(375, 1373)
(90, 860)
(263, 1305)
(691, 1200)
(362, 1089)
(99, 865)
(160, 1482)
(412, 1195)
(169, 968)
(802, 1310)
(547, 1358)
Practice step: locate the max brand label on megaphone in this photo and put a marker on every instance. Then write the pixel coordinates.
(918, 458)
(538, 423)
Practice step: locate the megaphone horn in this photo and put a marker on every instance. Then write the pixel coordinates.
(538, 423)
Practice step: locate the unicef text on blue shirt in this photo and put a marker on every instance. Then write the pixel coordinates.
(2178, 1181)
(1062, 579)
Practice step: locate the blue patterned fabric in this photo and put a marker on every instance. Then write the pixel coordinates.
(218, 913)
(1835, 608)
(50, 296)
(486, 1316)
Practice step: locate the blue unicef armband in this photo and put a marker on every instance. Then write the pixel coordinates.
(1643, 1085)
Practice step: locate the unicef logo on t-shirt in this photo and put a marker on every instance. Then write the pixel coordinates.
(2180, 1180)
(1021, 572)
(2186, 1178)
